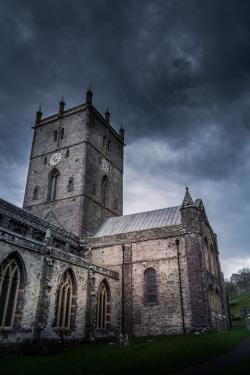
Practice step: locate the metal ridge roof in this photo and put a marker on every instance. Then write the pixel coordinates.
(135, 222)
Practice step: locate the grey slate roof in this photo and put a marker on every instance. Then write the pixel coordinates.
(141, 221)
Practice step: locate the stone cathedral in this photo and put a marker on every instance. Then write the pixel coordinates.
(73, 269)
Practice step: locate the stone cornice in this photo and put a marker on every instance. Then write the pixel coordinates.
(54, 253)
(25, 217)
(142, 235)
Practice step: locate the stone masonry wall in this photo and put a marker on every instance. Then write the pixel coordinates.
(161, 254)
(45, 265)
(81, 209)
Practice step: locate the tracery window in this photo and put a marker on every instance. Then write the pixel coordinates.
(150, 287)
(105, 186)
(102, 306)
(64, 301)
(209, 256)
(9, 287)
(53, 184)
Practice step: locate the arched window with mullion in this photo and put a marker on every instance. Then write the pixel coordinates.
(9, 287)
(103, 306)
(64, 301)
(53, 184)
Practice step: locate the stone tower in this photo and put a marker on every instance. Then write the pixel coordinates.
(75, 176)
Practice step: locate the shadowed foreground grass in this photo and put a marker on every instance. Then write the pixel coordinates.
(147, 355)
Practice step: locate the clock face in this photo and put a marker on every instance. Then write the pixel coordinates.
(55, 159)
(105, 166)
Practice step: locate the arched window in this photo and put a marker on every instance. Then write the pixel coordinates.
(212, 261)
(150, 287)
(64, 301)
(55, 136)
(217, 304)
(206, 255)
(211, 296)
(11, 281)
(53, 184)
(115, 203)
(67, 153)
(45, 160)
(105, 185)
(103, 303)
(35, 193)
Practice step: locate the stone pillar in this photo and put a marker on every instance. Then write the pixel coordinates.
(44, 292)
(127, 306)
(197, 284)
(90, 315)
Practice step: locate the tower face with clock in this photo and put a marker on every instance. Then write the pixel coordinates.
(55, 158)
(76, 166)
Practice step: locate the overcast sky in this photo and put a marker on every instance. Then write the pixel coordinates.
(176, 73)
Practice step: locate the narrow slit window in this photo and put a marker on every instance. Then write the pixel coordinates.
(71, 184)
(35, 193)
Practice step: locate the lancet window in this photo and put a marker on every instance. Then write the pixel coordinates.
(53, 184)
(102, 306)
(64, 301)
(10, 279)
(150, 287)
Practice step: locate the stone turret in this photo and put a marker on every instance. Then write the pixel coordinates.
(39, 116)
(89, 95)
(61, 106)
(189, 212)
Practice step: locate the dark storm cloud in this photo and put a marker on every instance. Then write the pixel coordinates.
(175, 73)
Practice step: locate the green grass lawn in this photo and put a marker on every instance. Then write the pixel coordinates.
(147, 355)
(238, 303)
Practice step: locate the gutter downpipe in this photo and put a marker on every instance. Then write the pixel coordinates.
(123, 318)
